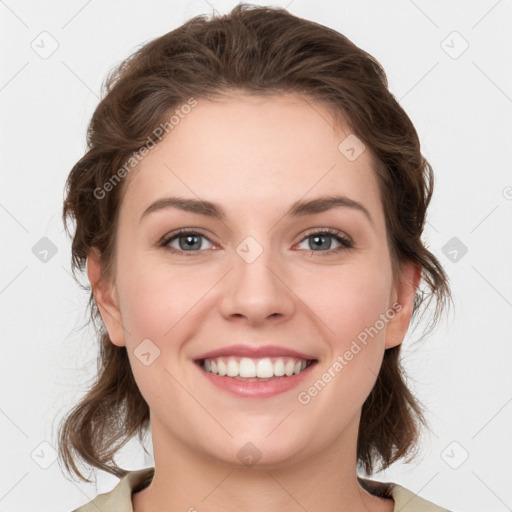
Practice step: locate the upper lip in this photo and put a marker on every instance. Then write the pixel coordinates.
(254, 352)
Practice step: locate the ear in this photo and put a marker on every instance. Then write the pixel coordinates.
(106, 298)
(402, 300)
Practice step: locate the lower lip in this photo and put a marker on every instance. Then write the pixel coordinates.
(255, 389)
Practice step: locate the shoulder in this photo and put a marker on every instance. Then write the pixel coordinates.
(405, 500)
(119, 499)
(408, 501)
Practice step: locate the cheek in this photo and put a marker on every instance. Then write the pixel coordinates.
(156, 307)
(351, 309)
(154, 298)
(146, 309)
(350, 300)
(352, 306)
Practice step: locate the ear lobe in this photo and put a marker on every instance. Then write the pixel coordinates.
(404, 293)
(106, 298)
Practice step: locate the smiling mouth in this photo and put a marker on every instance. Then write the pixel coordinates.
(255, 369)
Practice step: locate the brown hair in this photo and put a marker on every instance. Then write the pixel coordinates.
(265, 51)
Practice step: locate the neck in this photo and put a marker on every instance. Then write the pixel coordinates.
(185, 479)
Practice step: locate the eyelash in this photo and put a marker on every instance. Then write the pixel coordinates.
(346, 243)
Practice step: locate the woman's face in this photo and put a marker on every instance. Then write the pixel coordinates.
(263, 274)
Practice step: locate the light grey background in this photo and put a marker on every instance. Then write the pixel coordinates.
(461, 104)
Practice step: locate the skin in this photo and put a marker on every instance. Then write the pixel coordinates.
(254, 157)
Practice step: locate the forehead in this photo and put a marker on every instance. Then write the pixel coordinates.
(243, 149)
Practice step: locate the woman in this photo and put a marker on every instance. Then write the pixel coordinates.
(250, 212)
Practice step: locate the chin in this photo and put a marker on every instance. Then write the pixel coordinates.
(262, 451)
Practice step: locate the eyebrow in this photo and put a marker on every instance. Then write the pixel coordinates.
(297, 209)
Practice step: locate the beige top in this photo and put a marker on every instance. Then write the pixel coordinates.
(119, 499)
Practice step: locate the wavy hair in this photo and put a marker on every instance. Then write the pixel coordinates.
(261, 51)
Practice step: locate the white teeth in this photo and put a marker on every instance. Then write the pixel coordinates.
(265, 369)
(221, 367)
(232, 368)
(245, 367)
(289, 368)
(279, 368)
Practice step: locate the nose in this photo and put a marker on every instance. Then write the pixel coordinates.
(257, 290)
